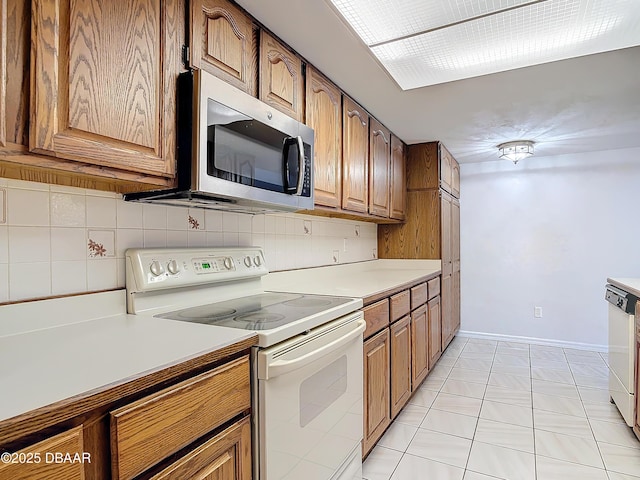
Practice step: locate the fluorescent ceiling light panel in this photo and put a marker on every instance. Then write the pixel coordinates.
(423, 43)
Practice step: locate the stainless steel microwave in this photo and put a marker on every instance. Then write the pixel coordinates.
(235, 152)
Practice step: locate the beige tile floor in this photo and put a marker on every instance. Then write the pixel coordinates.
(511, 411)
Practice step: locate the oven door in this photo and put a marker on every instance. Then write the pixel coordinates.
(310, 403)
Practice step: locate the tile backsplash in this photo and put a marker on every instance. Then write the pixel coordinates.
(57, 240)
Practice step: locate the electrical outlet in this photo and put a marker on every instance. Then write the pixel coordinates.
(537, 312)
(344, 247)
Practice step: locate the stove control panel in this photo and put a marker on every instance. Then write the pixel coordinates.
(161, 268)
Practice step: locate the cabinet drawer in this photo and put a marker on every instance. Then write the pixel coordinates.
(377, 317)
(227, 455)
(400, 305)
(418, 295)
(45, 466)
(152, 428)
(434, 287)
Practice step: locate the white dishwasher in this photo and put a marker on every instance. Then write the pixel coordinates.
(621, 350)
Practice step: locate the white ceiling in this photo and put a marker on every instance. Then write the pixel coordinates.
(590, 103)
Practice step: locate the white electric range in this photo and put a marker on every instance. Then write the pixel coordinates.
(306, 370)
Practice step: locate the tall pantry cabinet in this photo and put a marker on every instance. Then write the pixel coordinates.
(432, 226)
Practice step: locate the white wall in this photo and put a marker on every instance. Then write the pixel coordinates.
(548, 232)
(58, 240)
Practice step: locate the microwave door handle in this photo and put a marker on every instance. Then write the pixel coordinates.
(300, 166)
(288, 142)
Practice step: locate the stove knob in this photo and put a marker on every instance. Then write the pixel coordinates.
(228, 263)
(257, 261)
(247, 261)
(156, 268)
(173, 267)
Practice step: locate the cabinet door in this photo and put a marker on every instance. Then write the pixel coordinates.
(636, 428)
(376, 389)
(447, 310)
(379, 169)
(455, 235)
(435, 330)
(355, 156)
(324, 115)
(103, 82)
(398, 188)
(224, 42)
(227, 456)
(281, 81)
(419, 346)
(455, 178)
(446, 168)
(400, 374)
(69, 442)
(445, 241)
(14, 73)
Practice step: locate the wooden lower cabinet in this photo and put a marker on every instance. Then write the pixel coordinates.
(419, 345)
(401, 354)
(636, 427)
(227, 456)
(376, 388)
(37, 462)
(446, 311)
(435, 333)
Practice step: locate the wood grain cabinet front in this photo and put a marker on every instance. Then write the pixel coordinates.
(103, 83)
(636, 427)
(379, 169)
(398, 188)
(147, 431)
(281, 80)
(400, 375)
(435, 330)
(419, 346)
(324, 114)
(224, 42)
(227, 456)
(355, 156)
(376, 389)
(56, 458)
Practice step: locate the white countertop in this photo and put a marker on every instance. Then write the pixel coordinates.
(45, 363)
(631, 285)
(362, 279)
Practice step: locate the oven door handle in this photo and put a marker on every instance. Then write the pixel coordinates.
(281, 367)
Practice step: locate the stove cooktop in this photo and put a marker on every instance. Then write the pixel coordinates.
(264, 311)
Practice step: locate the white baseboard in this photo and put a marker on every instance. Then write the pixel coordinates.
(535, 341)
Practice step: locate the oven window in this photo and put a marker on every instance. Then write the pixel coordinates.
(320, 390)
(243, 150)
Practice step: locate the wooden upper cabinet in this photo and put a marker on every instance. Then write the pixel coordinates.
(14, 73)
(103, 82)
(324, 115)
(355, 156)
(455, 178)
(398, 189)
(380, 166)
(224, 42)
(446, 243)
(446, 168)
(281, 80)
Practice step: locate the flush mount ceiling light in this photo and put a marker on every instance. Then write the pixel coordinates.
(427, 42)
(515, 151)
